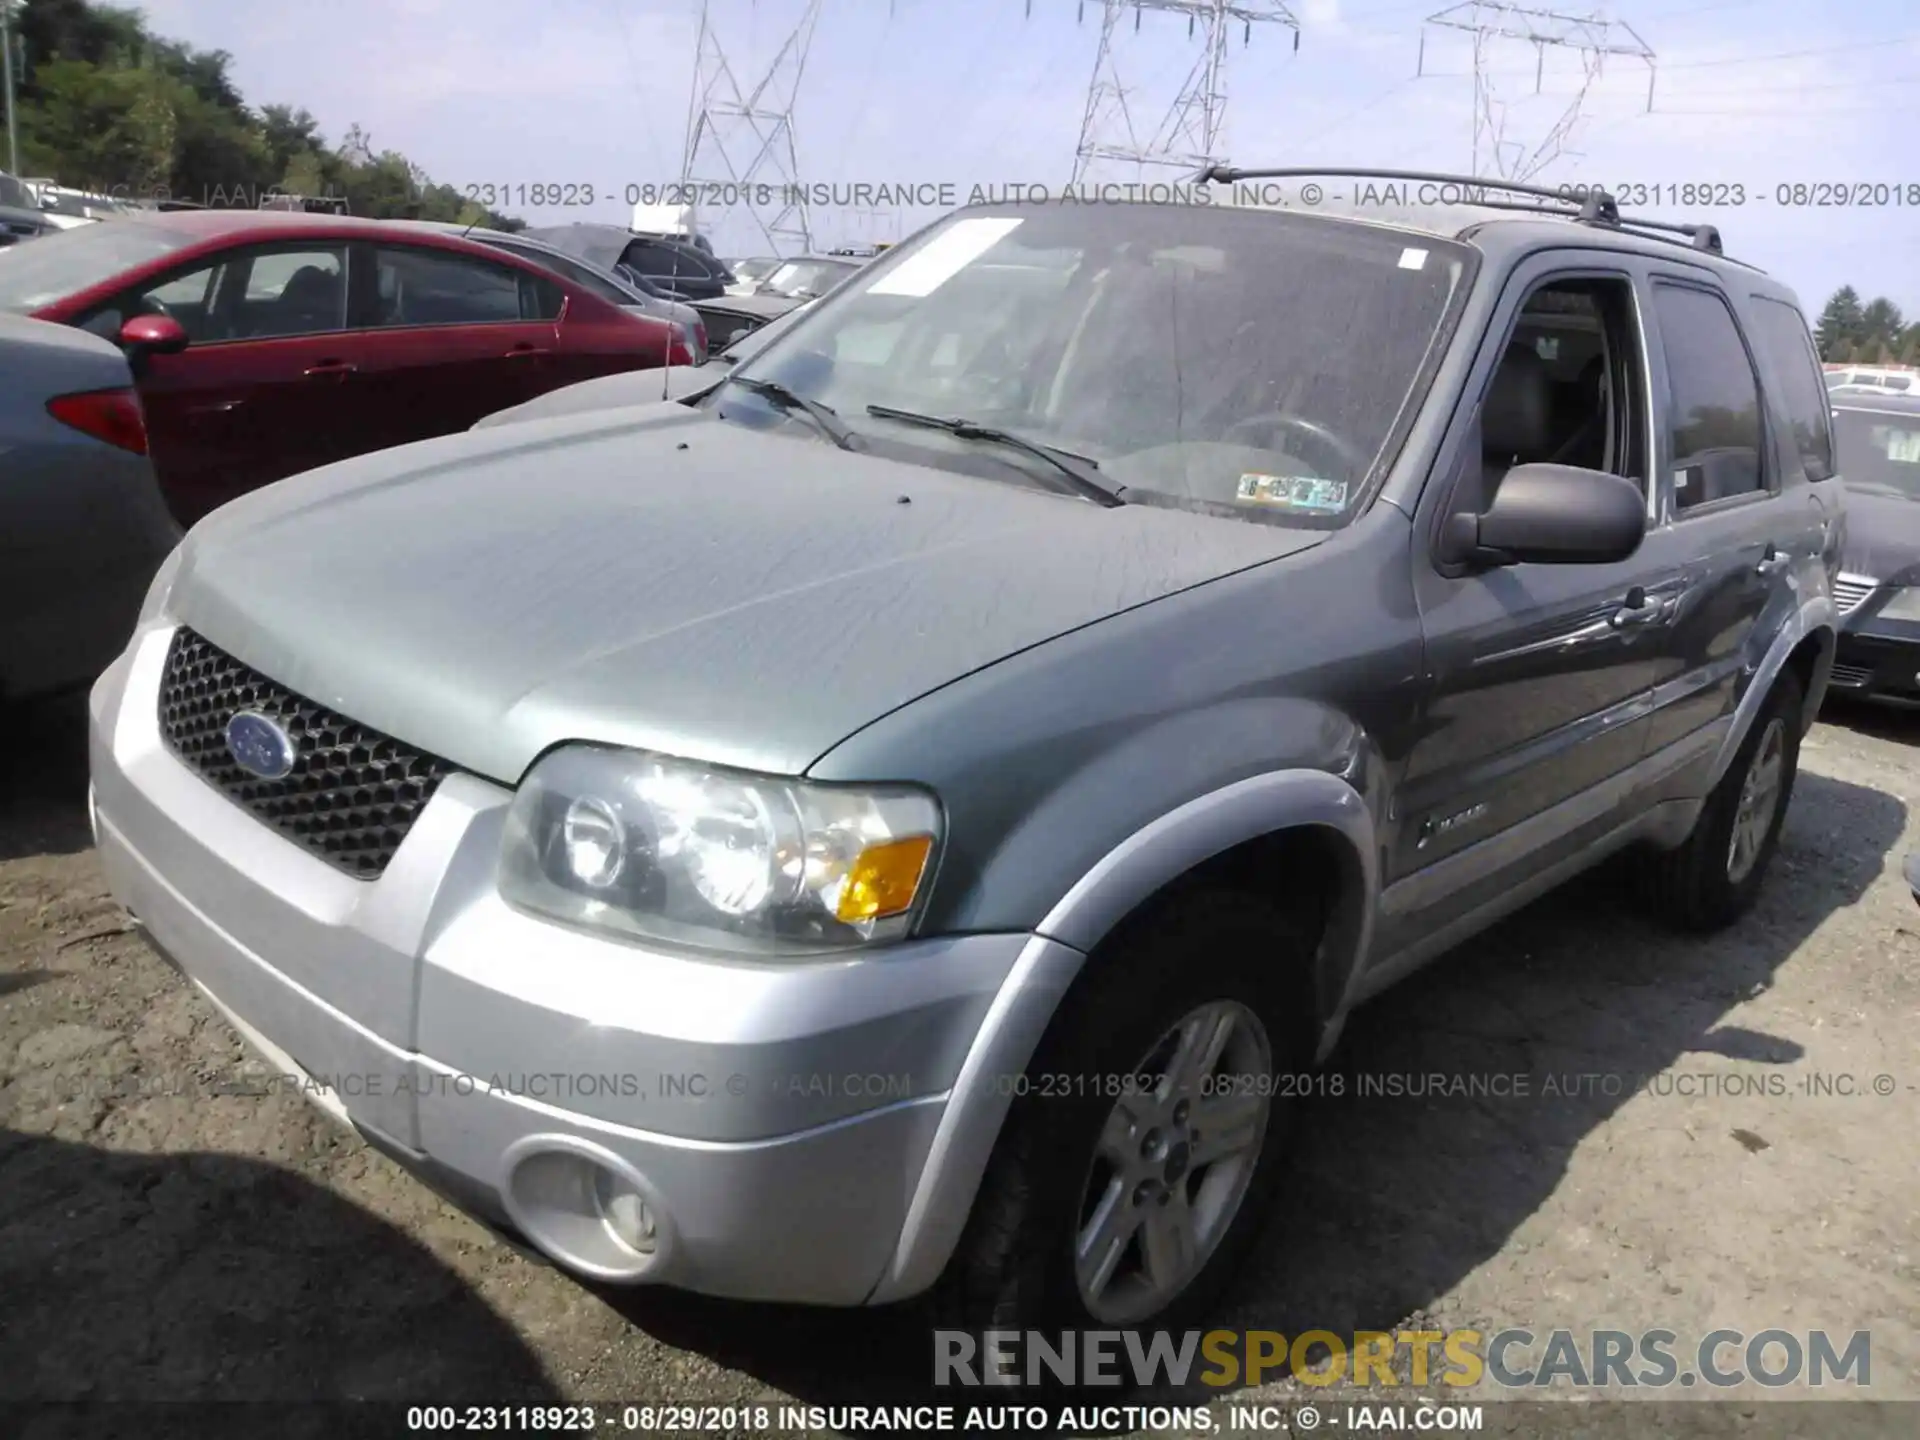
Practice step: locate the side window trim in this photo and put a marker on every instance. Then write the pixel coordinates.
(1770, 478)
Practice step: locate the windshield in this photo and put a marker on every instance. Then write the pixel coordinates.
(806, 277)
(14, 194)
(1253, 363)
(1879, 447)
(68, 261)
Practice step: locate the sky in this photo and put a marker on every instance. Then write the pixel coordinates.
(1747, 99)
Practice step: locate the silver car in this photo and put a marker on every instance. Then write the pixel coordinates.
(910, 817)
(83, 526)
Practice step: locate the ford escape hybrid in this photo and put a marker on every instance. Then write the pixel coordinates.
(875, 827)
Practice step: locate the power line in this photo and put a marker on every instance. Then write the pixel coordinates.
(1795, 54)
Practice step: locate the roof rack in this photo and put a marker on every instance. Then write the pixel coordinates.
(1593, 207)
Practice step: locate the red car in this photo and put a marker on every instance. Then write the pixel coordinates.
(271, 342)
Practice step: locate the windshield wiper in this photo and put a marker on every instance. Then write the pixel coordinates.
(785, 399)
(1078, 469)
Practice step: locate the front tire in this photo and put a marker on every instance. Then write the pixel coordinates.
(1143, 1146)
(1715, 877)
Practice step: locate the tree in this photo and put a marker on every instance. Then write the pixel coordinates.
(1881, 325)
(1842, 324)
(107, 105)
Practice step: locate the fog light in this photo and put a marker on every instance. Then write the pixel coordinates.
(626, 1213)
(588, 1209)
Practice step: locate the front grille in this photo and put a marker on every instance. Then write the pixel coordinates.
(1850, 592)
(352, 794)
(1849, 677)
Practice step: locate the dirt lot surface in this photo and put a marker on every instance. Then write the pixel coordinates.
(162, 1239)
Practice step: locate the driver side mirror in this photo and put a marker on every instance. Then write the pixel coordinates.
(145, 336)
(1551, 515)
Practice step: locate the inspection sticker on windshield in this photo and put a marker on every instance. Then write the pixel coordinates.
(1412, 258)
(1295, 492)
(946, 256)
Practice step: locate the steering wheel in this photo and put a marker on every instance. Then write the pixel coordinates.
(1346, 450)
(151, 306)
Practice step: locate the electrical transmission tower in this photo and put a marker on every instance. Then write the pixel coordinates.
(1190, 134)
(742, 160)
(1591, 37)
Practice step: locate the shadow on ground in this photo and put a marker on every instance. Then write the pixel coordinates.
(1394, 1202)
(214, 1277)
(43, 778)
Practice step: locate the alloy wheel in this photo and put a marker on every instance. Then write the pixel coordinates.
(1759, 800)
(1173, 1162)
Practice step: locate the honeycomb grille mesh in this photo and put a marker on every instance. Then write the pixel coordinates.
(353, 793)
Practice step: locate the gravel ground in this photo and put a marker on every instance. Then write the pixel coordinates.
(181, 1242)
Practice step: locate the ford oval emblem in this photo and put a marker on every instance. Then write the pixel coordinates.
(260, 746)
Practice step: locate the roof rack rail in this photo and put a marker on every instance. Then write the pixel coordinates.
(1586, 207)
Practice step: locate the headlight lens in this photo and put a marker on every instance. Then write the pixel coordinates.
(1904, 604)
(755, 865)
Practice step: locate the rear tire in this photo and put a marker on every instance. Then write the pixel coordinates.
(1715, 877)
(1181, 1179)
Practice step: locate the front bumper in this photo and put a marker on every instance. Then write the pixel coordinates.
(1880, 661)
(802, 1133)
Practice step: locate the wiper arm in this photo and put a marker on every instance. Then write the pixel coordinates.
(1078, 469)
(782, 398)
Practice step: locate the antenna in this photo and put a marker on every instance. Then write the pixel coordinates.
(1193, 130)
(1592, 37)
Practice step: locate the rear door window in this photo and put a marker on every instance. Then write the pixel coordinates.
(1713, 401)
(428, 287)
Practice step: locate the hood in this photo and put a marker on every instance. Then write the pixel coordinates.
(662, 579)
(623, 391)
(1883, 532)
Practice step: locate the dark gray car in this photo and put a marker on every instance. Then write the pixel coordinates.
(903, 820)
(1878, 592)
(82, 523)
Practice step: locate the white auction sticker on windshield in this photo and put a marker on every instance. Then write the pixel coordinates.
(945, 256)
(1413, 259)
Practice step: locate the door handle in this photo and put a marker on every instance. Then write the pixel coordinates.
(330, 370)
(1647, 612)
(216, 407)
(522, 352)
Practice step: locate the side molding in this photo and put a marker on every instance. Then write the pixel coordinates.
(1128, 874)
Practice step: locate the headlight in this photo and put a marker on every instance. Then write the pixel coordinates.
(161, 590)
(754, 865)
(1904, 604)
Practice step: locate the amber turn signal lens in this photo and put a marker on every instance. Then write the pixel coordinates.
(884, 880)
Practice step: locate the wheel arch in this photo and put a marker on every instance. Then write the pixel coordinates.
(1806, 642)
(1235, 837)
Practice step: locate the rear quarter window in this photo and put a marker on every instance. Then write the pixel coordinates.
(1787, 350)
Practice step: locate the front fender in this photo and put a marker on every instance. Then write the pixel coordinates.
(1127, 875)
